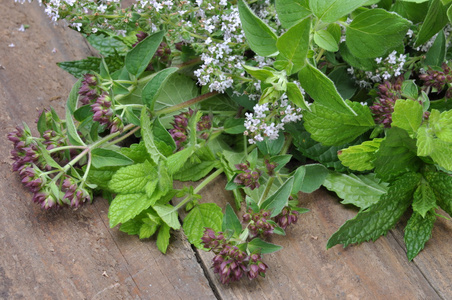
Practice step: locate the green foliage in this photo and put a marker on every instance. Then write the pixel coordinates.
(360, 157)
(331, 10)
(417, 232)
(201, 216)
(278, 200)
(260, 37)
(290, 12)
(260, 246)
(365, 34)
(359, 190)
(434, 21)
(137, 59)
(377, 219)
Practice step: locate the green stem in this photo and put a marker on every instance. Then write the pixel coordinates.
(123, 137)
(200, 187)
(66, 148)
(185, 104)
(287, 144)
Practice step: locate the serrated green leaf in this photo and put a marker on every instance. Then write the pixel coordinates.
(294, 44)
(205, 215)
(331, 127)
(102, 177)
(322, 90)
(290, 12)
(164, 140)
(169, 215)
(441, 184)
(417, 232)
(147, 230)
(131, 227)
(397, 155)
(138, 58)
(329, 11)
(78, 68)
(163, 238)
(434, 21)
(126, 206)
(424, 199)
(443, 128)
(71, 106)
(137, 152)
(259, 36)
(360, 157)
(153, 88)
(197, 166)
(231, 221)
(442, 154)
(424, 141)
(326, 40)
(407, 115)
(365, 34)
(359, 190)
(380, 217)
(108, 158)
(133, 179)
(263, 247)
(279, 199)
(176, 161)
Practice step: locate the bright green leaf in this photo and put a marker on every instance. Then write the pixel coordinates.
(231, 221)
(139, 57)
(262, 247)
(437, 52)
(290, 12)
(133, 179)
(205, 215)
(359, 190)
(163, 238)
(153, 88)
(277, 201)
(126, 206)
(294, 94)
(360, 157)
(108, 158)
(169, 215)
(326, 40)
(309, 178)
(407, 115)
(329, 11)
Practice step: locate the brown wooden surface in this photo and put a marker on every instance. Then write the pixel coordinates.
(70, 254)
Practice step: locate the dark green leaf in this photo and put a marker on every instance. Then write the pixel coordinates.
(138, 58)
(71, 106)
(309, 178)
(152, 89)
(376, 220)
(417, 232)
(434, 21)
(78, 68)
(441, 183)
(271, 147)
(107, 45)
(329, 11)
(344, 84)
(437, 53)
(424, 199)
(234, 126)
(326, 40)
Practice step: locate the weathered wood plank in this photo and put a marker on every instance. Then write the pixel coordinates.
(304, 269)
(68, 254)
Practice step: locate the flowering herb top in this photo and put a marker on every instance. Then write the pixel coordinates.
(188, 90)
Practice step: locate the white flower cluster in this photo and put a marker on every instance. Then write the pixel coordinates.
(387, 68)
(268, 119)
(219, 61)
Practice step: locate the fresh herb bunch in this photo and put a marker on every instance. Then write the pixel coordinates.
(189, 90)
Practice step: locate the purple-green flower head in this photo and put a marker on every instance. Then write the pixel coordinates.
(287, 217)
(259, 224)
(246, 177)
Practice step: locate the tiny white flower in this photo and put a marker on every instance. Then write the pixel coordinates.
(11, 45)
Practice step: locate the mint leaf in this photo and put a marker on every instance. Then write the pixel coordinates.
(294, 94)
(259, 36)
(397, 155)
(78, 68)
(294, 44)
(380, 217)
(136, 152)
(437, 52)
(147, 230)
(176, 161)
(442, 154)
(322, 90)
(424, 199)
(359, 190)
(330, 127)
(101, 178)
(441, 183)
(140, 56)
(260, 246)
(197, 166)
(108, 158)
(163, 238)
(417, 232)
(133, 179)
(290, 12)
(424, 142)
(107, 45)
(126, 206)
(278, 200)
(231, 222)
(169, 215)
(201, 216)
(131, 227)
(407, 115)
(329, 11)
(360, 157)
(368, 29)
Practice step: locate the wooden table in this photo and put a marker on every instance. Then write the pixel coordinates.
(69, 254)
